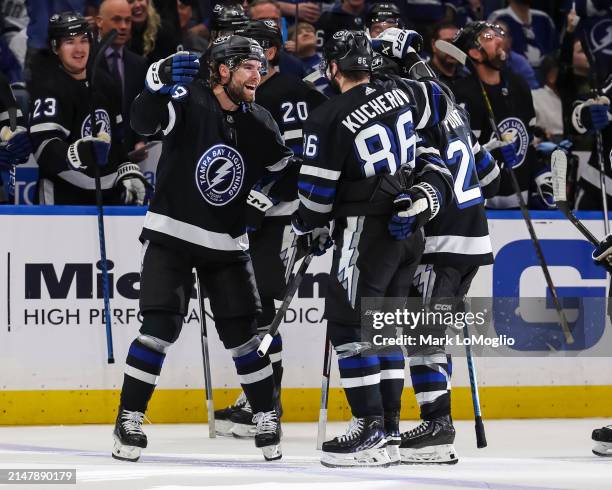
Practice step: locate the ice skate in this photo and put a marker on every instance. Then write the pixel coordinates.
(128, 435)
(363, 445)
(243, 426)
(223, 423)
(603, 441)
(393, 436)
(429, 443)
(268, 434)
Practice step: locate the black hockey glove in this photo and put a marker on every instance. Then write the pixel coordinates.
(413, 209)
(132, 183)
(258, 203)
(89, 151)
(602, 255)
(316, 240)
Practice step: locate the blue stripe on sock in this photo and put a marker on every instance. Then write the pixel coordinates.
(247, 359)
(395, 356)
(418, 379)
(150, 357)
(317, 190)
(276, 340)
(358, 362)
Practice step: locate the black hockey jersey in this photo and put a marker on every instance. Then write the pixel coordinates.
(460, 234)
(514, 113)
(210, 160)
(365, 132)
(59, 116)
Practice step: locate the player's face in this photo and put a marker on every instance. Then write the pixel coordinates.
(377, 28)
(73, 53)
(139, 10)
(493, 46)
(245, 80)
(448, 35)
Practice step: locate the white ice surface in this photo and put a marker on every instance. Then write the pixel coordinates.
(522, 454)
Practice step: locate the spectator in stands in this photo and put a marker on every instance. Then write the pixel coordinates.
(516, 62)
(154, 36)
(547, 102)
(421, 15)
(533, 32)
(270, 9)
(14, 24)
(307, 11)
(347, 14)
(127, 69)
(191, 40)
(302, 42)
(469, 11)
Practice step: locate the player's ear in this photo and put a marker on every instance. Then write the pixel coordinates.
(224, 73)
(271, 53)
(475, 54)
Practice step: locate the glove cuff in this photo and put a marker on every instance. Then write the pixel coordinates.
(128, 170)
(432, 197)
(259, 201)
(153, 79)
(577, 119)
(72, 156)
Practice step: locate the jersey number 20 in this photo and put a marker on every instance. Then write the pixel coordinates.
(382, 149)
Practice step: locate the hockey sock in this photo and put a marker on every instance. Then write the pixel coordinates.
(255, 375)
(431, 382)
(276, 348)
(145, 358)
(391, 379)
(360, 378)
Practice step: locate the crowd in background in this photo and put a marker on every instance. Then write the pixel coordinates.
(540, 38)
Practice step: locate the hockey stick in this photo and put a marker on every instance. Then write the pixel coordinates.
(596, 89)
(462, 58)
(558, 163)
(280, 314)
(324, 392)
(104, 44)
(210, 406)
(7, 99)
(481, 439)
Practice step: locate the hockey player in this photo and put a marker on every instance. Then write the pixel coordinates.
(360, 168)
(513, 108)
(382, 16)
(272, 242)
(456, 244)
(226, 18)
(15, 146)
(60, 125)
(217, 145)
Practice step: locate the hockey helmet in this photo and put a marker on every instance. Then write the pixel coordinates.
(233, 50)
(265, 32)
(383, 12)
(67, 24)
(351, 50)
(468, 37)
(228, 17)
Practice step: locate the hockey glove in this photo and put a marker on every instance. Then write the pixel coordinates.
(131, 181)
(543, 182)
(89, 151)
(258, 204)
(168, 75)
(316, 240)
(602, 255)
(15, 146)
(503, 150)
(591, 115)
(413, 209)
(396, 43)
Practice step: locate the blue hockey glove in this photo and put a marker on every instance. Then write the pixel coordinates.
(509, 156)
(82, 152)
(413, 209)
(591, 115)
(15, 146)
(602, 255)
(318, 239)
(168, 75)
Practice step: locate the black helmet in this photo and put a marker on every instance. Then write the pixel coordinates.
(228, 17)
(234, 49)
(351, 50)
(380, 12)
(467, 38)
(66, 24)
(265, 32)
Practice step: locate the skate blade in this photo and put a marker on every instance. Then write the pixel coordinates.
(368, 458)
(603, 449)
(244, 431)
(442, 454)
(272, 453)
(224, 428)
(394, 454)
(126, 453)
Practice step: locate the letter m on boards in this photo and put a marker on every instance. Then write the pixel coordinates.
(58, 287)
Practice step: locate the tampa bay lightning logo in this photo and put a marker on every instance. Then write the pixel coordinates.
(103, 123)
(520, 136)
(601, 37)
(220, 174)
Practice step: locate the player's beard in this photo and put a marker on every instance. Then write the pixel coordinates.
(239, 93)
(497, 62)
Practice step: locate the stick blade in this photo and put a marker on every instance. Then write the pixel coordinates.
(451, 50)
(558, 164)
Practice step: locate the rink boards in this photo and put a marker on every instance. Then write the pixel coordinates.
(53, 342)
